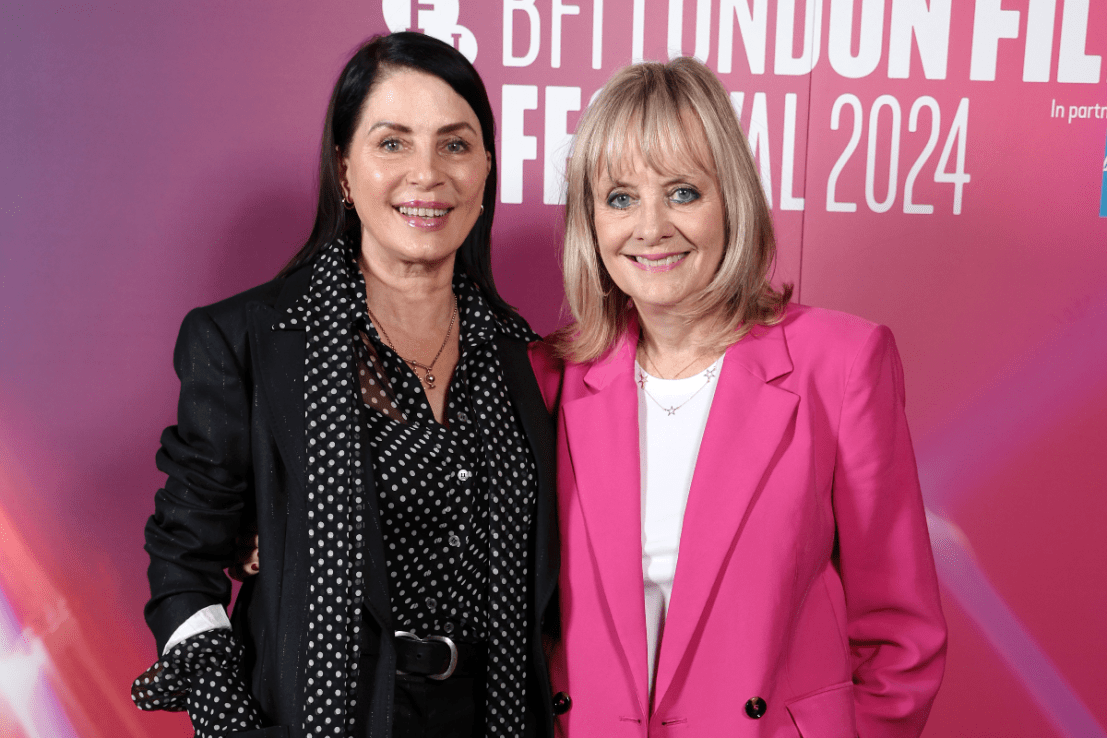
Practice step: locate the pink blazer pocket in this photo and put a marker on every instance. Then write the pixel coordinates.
(827, 713)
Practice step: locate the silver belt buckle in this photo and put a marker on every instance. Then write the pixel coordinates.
(443, 639)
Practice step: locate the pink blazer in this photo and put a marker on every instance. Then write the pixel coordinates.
(805, 601)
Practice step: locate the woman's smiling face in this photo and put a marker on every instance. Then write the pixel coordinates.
(415, 170)
(660, 233)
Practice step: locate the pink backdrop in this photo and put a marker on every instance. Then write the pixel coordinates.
(936, 166)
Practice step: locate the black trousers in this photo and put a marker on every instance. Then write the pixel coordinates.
(427, 708)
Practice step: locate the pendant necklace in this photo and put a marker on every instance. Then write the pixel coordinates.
(643, 378)
(428, 377)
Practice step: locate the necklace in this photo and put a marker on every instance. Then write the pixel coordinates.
(658, 374)
(428, 377)
(643, 379)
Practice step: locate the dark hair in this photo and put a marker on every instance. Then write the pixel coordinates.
(365, 69)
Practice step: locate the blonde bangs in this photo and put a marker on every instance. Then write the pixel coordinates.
(664, 139)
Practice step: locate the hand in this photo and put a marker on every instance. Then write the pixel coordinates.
(201, 674)
(246, 557)
(219, 702)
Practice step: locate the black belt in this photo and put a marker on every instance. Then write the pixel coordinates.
(437, 657)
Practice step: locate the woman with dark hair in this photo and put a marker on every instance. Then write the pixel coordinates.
(373, 411)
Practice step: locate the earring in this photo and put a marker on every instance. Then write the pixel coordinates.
(482, 209)
(345, 203)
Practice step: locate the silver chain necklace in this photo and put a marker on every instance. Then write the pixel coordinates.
(643, 379)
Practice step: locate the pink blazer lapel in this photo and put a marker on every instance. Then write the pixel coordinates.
(602, 438)
(748, 422)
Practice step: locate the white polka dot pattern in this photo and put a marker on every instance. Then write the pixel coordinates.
(455, 504)
(336, 499)
(512, 487)
(201, 674)
(425, 502)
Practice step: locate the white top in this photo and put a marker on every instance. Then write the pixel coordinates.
(672, 415)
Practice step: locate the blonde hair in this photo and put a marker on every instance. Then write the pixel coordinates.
(664, 112)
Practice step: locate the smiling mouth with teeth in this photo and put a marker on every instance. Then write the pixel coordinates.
(423, 212)
(660, 262)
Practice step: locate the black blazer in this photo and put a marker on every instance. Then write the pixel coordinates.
(237, 454)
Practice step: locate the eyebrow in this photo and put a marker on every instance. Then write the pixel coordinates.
(676, 179)
(401, 128)
(682, 179)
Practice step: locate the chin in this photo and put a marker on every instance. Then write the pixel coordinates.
(433, 254)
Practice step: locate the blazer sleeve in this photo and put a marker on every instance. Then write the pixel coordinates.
(190, 537)
(896, 630)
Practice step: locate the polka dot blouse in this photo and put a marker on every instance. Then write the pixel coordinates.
(455, 500)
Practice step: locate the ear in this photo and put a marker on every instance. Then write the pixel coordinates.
(487, 163)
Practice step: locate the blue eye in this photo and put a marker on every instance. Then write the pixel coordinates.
(391, 145)
(684, 195)
(618, 200)
(457, 146)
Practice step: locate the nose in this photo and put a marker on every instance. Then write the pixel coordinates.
(653, 224)
(426, 169)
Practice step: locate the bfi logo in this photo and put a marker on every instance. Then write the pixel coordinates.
(437, 18)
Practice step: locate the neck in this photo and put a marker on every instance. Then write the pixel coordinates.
(414, 298)
(674, 347)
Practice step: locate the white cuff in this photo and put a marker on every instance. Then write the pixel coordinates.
(212, 617)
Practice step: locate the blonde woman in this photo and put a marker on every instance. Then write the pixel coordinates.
(744, 548)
